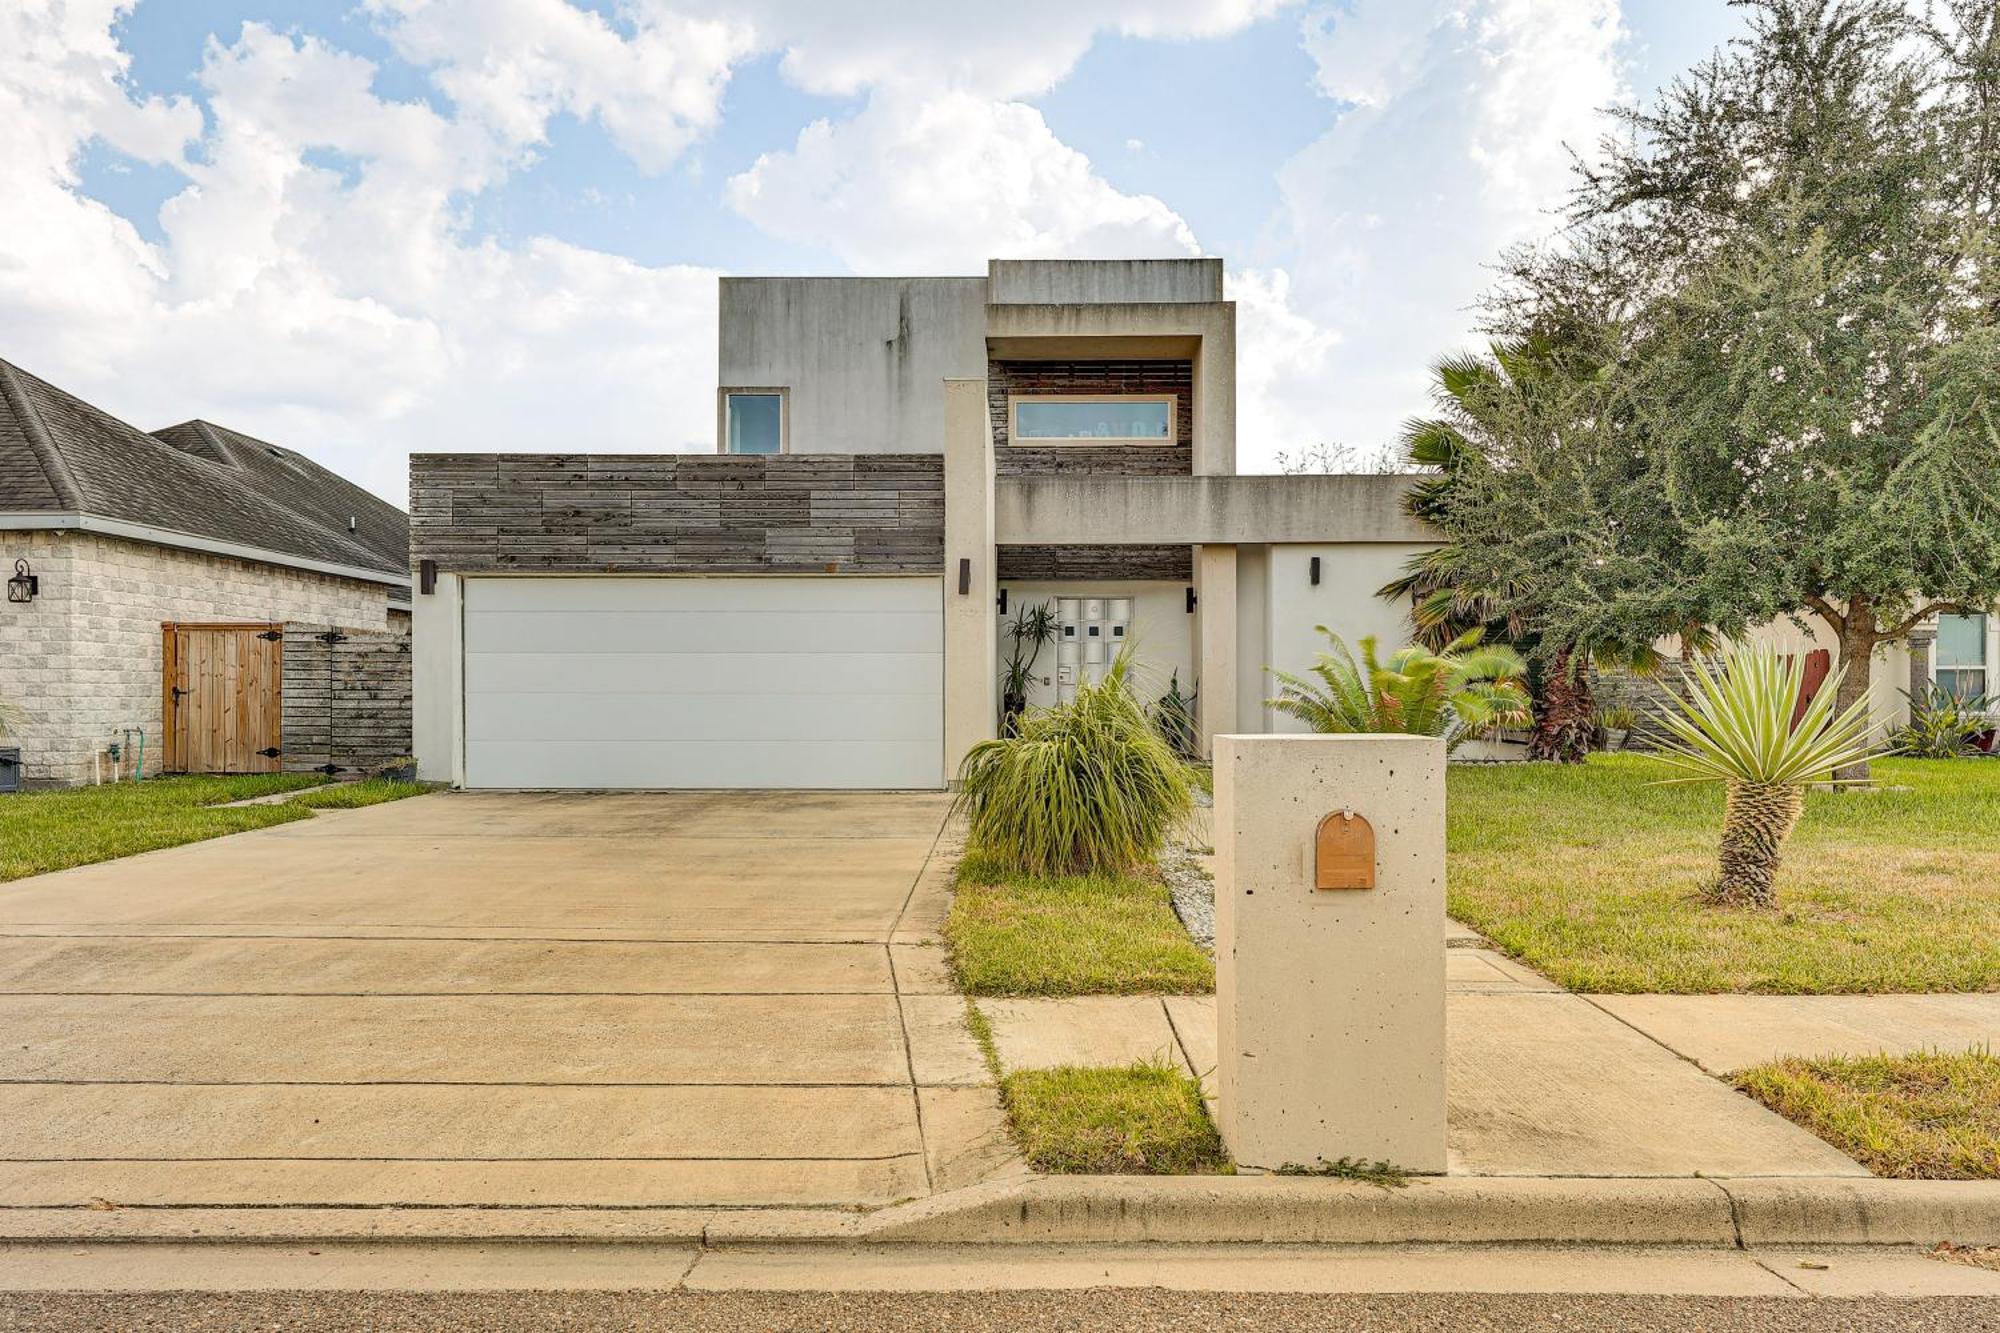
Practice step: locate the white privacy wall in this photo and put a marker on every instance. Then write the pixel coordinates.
(1276, 592)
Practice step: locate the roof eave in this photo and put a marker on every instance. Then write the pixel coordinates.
(74, 521)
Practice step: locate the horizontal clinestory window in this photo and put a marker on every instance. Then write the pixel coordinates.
(1078, 418)
(752, 421)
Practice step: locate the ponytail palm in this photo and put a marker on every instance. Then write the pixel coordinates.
(1459, 692)
(1735, 727)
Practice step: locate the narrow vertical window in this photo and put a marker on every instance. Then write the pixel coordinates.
(754, 422)
(1961, 656)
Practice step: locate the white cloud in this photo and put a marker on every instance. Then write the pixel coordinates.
(941, 184)
(512, 64)
(340, 309)
(1287, 367)
(1448, 145)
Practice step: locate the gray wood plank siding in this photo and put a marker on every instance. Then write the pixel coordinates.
(678, 513)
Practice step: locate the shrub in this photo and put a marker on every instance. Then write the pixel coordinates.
(1084, 787)
(1175, 719)
(1944, 726)
(1458, 693)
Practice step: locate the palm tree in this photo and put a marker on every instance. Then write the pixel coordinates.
(1463, 691)
(1735, 727)
(1447, 595)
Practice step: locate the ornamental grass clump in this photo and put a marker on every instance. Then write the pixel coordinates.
(1085, 787)
(1735, 727)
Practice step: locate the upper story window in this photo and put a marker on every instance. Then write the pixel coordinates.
(1047, 419)
(1961, 656)
(753, 421)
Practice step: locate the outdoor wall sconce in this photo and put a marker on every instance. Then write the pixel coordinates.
(24, 586)
(964, 577)
(1191, 600)
(427, 576)
(1314, 568)
(1003, 601)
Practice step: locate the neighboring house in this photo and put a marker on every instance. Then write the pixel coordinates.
(199, 526)
(903, 464)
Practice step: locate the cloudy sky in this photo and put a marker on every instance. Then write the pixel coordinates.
(365, 228)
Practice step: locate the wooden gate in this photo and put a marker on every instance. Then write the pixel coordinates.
(221, 697)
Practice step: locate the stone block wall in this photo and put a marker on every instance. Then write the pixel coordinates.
(1005, 379)
(678, 513)
(84, 658)
(346, 702)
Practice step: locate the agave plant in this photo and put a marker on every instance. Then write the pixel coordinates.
(1082, 787)
(1462, 691)
(1944, 725)
(1735, 726)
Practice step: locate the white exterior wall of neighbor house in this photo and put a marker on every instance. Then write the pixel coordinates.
(84, 658)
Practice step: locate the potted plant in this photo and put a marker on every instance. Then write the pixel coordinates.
(1033, 629)
(1619, 722)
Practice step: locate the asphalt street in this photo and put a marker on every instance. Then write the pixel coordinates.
(1016, 1312)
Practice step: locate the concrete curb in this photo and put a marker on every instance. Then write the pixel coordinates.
(1138, 1209)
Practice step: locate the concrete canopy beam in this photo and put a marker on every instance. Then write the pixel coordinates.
(1129, 511)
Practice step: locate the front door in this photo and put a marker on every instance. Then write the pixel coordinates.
(221, 697)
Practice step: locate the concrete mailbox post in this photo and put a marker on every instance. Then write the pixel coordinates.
(1330, 1001)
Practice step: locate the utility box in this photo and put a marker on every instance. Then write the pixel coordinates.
(1329, 941)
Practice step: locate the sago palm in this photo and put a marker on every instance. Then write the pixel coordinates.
(1735, 727)
(1462, 691)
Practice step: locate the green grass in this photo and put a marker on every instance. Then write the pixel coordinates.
(53, 830)
(1142, 1119)
(1014, 934)
(368, 791)
(1912, 1117)
(1589, 874)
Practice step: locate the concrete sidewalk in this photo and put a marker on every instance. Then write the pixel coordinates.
(1545, 1083)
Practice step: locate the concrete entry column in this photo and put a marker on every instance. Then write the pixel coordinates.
(1215, 641)
(971, 624)
(1330, 1002)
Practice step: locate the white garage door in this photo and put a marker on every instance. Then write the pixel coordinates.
(704, 682)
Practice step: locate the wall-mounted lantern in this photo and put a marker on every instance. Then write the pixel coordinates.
(24, 585)
(1314, 573)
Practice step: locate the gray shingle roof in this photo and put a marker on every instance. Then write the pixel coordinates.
(59, 454)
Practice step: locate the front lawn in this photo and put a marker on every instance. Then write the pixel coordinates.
(1143, 1119)
(1913, 1117)
(53, 830)
(1069, 935)
(1589, 874)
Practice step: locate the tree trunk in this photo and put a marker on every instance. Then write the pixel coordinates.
(1565, 713)
(1857, 662)
(1755, 824)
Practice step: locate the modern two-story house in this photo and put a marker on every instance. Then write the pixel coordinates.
(902, 466)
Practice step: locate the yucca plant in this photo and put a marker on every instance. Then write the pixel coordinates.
(1460, 692)
(1735, 726)
(1086, 786)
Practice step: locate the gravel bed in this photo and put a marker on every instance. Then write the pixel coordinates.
(1193, 892)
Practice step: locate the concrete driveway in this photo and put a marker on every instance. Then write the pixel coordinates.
(499, 1000)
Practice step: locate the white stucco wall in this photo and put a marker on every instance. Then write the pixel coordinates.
(84, 658)
(1162, 633)
(1344, 601)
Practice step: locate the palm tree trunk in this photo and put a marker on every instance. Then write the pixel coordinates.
(1755, 825)
(1565, 712)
